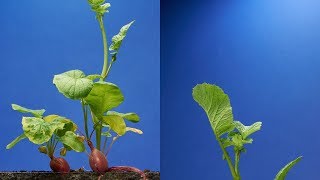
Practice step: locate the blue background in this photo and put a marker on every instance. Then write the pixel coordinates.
(265, 55)
(41, 38)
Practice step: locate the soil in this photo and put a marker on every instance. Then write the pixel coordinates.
(76, 175)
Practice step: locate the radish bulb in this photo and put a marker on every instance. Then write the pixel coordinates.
(59, 165)
(97, 160)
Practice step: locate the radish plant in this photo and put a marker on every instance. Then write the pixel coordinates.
(47, 132)
(227, 131)
(98, 97)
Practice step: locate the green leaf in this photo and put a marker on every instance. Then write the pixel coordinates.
(93, 76)
(246, 131)
(107, 134)
(238, 142)
(217, 106)
(73, 141)
(116, 123)
(16, 140)
(36, 113)
(133, 117)
(39, 131)
(284, 171)
(68, 124)
(73, 84)
(117, 40)
(103, 97)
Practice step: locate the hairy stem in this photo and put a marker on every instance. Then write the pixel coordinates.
(236, 166)
(105, 47)
(85, 118)
(227, 157)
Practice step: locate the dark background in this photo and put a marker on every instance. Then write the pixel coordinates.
(265, 55)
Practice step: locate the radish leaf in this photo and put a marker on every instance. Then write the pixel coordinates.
(36, 113)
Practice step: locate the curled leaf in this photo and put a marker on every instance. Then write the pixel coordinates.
(36, 113)
(133, 117)
(137, 131)
(73, 141)
(284, 171)
(116, 123)
(16, 140)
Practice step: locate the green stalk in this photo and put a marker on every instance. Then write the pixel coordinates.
(85, 117)
(98, 129)
(226, 155)
(105, 47)
(236, 166)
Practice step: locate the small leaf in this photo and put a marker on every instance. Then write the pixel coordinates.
(36, 113)
(72, 140)
(43, 149)
(93, 76)
(103, 97)
(137, 131)
(16, 140)
(63, 151)
(133, 117)
(107, 134)
(217, 106)
(246, 131)
(284, 171)
(117, 40)
(73, 84)
(116, 123)
(39, 131)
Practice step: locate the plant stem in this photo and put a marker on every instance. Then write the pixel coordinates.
(226, 155)
(105, 47)
(236, 166)
(98, 128)
(85, 117)
(110, 146)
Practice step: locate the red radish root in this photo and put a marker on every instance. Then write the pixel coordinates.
(59, 165)
(128, 169)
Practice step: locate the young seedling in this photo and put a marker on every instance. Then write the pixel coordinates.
(98, 98)
(229, 133)
(47, 132)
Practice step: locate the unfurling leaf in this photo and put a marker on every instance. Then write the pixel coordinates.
(116, 123)
(73, 84)
(284, 171)
(246, 131)
(217, 106)
(104, 97)
(16, 140)
(117, 40)
(133, 117)
(36, 113)
(137, 131)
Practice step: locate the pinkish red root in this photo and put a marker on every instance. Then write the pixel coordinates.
(128, 169)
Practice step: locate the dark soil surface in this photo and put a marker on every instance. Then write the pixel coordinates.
(75, 175)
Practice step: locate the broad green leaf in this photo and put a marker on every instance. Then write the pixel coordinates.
(217, 106)
(103, 97)
(68, 124)
(36, 113)
(16, 140)
(39, 131)
(133, 117)
(116, 123)
(93, 76)
(246, 131)
(73, 84)
(137, 131)
(284, 171)
(72, 140)
(117, 40)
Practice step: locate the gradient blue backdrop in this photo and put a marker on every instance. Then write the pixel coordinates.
(266, 56)
(41, 38)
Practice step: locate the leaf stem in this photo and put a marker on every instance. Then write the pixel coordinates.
(226, 155)
(110, 146)
(85, 117)
(236, 166)
(105, 47)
